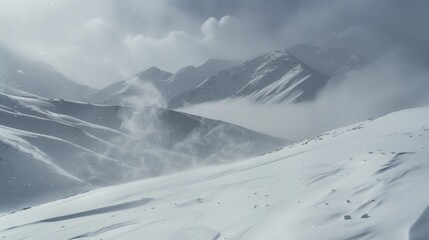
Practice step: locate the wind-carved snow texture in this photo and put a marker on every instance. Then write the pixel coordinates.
(54, 148)
(364, 181)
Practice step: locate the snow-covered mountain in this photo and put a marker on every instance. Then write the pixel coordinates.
(190, 77)
(270, 78)
(52, 148)
(364, 181)
(21, 76)
(120, 92)
(156, 75)
(169, 85)
(292, 75)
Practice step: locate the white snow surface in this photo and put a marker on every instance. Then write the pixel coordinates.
(373, 173)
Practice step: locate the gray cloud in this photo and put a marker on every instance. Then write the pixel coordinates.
(100, 41)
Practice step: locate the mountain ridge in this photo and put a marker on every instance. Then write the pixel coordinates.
(253, 76)
(50, 147)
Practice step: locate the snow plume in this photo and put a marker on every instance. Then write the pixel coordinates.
(141, 120)
(388, 84)
(148, 95)
(158, 141)
(215, 144)
(145, 137)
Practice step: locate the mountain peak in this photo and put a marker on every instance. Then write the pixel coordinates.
(154, 73)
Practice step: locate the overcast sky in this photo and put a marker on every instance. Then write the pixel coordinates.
(97, 42)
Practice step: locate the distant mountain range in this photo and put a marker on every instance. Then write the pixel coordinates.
(20, 76)
(169, 85)
(292, 75)
(270, 78)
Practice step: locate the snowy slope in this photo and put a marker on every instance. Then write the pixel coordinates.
(28, 173)
(37, 78)
(365, 181)
(270, 78)
(169, 85)
(47, 145)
